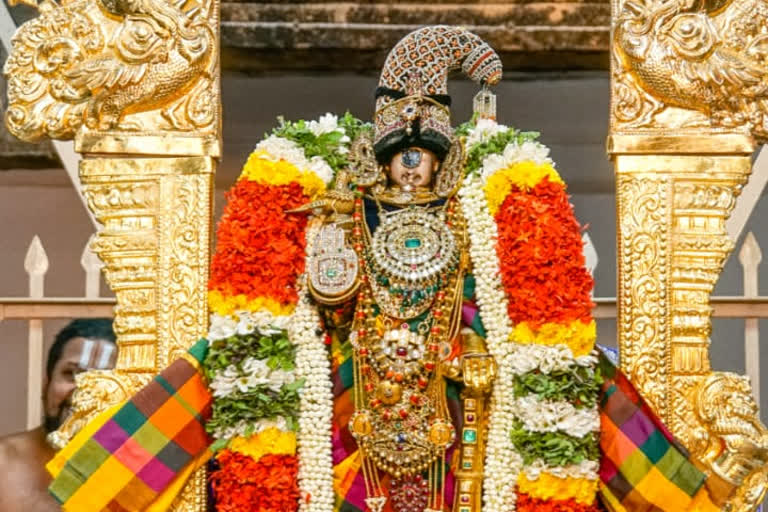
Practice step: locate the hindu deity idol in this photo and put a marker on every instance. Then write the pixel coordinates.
(401, 320)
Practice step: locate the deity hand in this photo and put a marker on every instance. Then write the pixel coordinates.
(479, 371)
(334, 205)
(332, 266)
(331, 206)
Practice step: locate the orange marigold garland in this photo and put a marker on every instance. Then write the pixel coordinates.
(242, 484)
(526, 503)
(541, 258)
(260, 247)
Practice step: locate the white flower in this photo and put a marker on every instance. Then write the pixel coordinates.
(320, 167)
(483, 131)
(553, 416)
(221, 327)
(280, 148)
(327, 123)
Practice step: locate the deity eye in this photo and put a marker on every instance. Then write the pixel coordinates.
(411, 158)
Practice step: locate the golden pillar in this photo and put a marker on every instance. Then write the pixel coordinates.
(136, 85)
(686, 108)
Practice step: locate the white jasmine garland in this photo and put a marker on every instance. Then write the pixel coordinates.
(555, 416)
(245, 322)
(547, 358)
(314, 435)
(502, 462)
(254, 372)
(587, 469)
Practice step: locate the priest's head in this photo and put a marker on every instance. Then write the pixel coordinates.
(83, 344)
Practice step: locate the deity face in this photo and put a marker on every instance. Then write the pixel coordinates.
(413, 168)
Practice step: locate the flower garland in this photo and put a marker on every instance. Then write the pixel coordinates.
(502, 463)
(315, 448)
(533, 293)
(243, 484)
(267, 365)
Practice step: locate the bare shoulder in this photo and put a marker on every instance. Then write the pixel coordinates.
(17, 445)
(24, 481)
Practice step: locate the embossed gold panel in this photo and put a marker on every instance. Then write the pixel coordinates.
(137, 85)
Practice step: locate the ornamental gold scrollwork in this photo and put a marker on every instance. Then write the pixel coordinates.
(136, 84)
(103, 65)
(689, 99)
(643, 234)
(680, 64)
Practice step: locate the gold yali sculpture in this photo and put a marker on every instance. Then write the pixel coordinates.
(136, 84)
(689, 98)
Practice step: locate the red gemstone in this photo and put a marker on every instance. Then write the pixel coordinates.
(403, 413)
(423, 383)
(438, 314)
(399, 377)
(435, 330)
(363, 351)
(375, 403)
(369, 387)
(470, 418)
(415, 400)
(402, 352)
(433, 347)
(389, 374)
(327, 339)
(361, 333)
(429, 366)
(386, 415)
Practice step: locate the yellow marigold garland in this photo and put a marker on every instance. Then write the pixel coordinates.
(548, 487)
(271, 441)
(226, 305)
(262, 169)
(576, 335)
(525, 175)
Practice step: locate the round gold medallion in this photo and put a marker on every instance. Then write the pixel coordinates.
(441, 433)
(389, 392)
(360, 424)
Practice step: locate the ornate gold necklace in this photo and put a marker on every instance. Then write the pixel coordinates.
(407, 313)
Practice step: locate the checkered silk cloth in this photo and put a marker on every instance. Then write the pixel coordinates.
(142, 447)
(643, 467)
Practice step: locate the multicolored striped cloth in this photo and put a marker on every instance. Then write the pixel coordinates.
(643, 467)
(139, 451)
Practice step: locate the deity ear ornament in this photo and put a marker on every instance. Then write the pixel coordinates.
(450, 173)
(363, 167)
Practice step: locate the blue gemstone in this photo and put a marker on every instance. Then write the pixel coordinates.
(411, 158)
